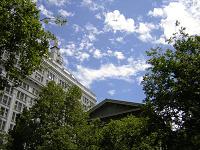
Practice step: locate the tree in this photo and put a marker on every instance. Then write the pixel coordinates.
(52, 123)
(172, 89)
(23, 40)
(130, 133)
(89, 134)
(3, 140)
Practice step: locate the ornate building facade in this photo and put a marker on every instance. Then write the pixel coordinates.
(13, 100)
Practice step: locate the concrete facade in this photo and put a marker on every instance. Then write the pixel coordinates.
(13, 100)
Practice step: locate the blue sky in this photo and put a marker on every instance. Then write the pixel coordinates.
(104, 41)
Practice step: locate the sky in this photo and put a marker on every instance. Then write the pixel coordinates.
(104, 42)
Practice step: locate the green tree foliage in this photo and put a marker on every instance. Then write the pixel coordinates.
(130, 133)
(172, 89)
(52, 123)
(89, 135)
(3, 140)
(23, 40)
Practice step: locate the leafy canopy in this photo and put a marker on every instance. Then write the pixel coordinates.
(129, 133)
(23, 40)
(172, 87)
(52, 123)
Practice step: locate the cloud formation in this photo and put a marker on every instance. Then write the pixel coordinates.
(144, 30)
(111, 92)
(187, 12)
(107, 71)
(119, 55)
(45, 12)
(71, 51)
(65, 13)
(92, 5)
(58, 2)
(117, 22)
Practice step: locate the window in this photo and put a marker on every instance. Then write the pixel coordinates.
(5, 100)
(8, 90)
(84, 107)
(5, 55)
(85, 100)
(38, 77)
(31, 102)
(21, 96)
(3, 112)
(63, 84)
(9, 77)
(25, 86)
(91, 104)
(47, 81)
(14, 115)
(35, 92)
(2, 124)
(50, 75)
(11, 126)
(19, 106)
(41, 70)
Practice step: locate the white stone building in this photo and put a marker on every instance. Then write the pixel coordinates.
(14, 100)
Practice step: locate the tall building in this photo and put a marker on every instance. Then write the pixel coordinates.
(13, 100)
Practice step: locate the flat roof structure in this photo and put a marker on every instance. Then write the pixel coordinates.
(114, 109)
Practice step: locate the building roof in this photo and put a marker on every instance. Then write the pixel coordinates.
(113, 101)
(110, 108)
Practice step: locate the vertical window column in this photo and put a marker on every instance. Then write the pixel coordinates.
(2, 124)
(3, 112)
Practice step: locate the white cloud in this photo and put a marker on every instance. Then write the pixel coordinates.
(161, 40)
(88, 38)
(97, 54)
(117, 40)
(34, 1)
(92, 5)
(117, 22)
(124, 72)
(65, 13)
(144, 31)
(111, 92)
(157, 12)
(84, 47)
(109, 52)
(71, 50)
(98, 16)
(91, 28)
(83, 56)
(58, 2)
(119, 55)
(60, 41)
(92, 32)
(120, 39)
(85, 43)
(145, 28)
(187, 12)
(139, 80)
(77, 28)
(45, 12)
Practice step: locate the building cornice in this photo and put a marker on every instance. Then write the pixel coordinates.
(61, 70)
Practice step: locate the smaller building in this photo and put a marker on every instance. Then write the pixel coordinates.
(114, 109)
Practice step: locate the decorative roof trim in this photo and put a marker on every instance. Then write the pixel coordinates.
(120, 113)
(115, 102)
